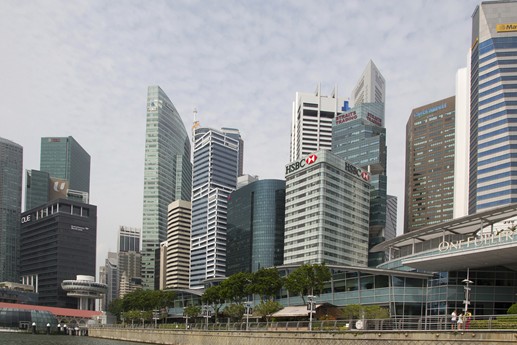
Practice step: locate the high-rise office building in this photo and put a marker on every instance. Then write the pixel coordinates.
(57, 242)
(327, 205)
(64, 173)
(128, 239)
(255, 232)
(390, 232)
(11, 174)
(129, 272)
(371, 87)
(63, 158)
(216, 166)
(109, 275)
(311, 124)
(429, 189)
(359, 137)
(177, 263)
(167, 175)
(493, 111)
(462, 142)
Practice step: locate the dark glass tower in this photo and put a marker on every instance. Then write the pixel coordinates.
(255, 235)
(64, 173)
(11, 164)
(167, 175)
(64, 158)
(58, 242)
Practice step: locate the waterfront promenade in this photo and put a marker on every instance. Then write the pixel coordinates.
(200, 337)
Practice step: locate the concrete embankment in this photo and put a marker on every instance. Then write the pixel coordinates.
(179, 337)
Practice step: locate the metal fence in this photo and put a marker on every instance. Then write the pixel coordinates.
(483, 322)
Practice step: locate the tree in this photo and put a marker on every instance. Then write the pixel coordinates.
(234, 311)
(236, 287)
(147, 299)
(137, 315)
(115, 308)
(192, 311)
(512, 309)
(213, 296)
(266, 282)
(267, 308)
(307, 279)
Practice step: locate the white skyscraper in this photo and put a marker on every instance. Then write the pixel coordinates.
(371, 87)
(311, 126)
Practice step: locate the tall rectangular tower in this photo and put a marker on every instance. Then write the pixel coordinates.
(177, 263)
(216, 166)
(57, 242)
(430, 136)
(359, 137)
(493, 112)
(327, 204)
(11, 164)
(311, 124)
(64, 158)
(128, 239)
(255, 235)
(167, 175)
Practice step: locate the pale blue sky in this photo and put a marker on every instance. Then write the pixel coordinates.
(82, 68)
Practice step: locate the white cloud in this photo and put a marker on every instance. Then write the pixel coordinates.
(82, 68)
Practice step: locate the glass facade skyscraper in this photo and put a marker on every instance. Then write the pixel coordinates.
(64, 173)
(216, 166)
(64, 158)
(167, 174)
(11, 165)
(359, 137)
(493, 111)
(429, 191)
(255, 235)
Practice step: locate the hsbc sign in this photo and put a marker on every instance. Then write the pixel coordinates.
(290, 168)
(357, 172)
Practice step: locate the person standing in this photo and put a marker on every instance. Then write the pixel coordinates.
(454, 319)
(460, 321)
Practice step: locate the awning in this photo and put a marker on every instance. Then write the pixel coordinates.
(294, 311)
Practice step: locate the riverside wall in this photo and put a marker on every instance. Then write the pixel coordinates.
(182, 337)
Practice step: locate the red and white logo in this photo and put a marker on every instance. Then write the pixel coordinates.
(311, 159)
(365, 176)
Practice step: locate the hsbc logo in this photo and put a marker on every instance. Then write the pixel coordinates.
(311, 159)
(300, 164)
(357, 172)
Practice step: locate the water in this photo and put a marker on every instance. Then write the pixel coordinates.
(42, 339)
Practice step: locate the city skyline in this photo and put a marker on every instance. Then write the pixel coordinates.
(76, 65)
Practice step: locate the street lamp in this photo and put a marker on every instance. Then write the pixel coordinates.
(248, 312)
(467, 289)
(156, 316)
(207, 313)
(186, 317)
(311, 309)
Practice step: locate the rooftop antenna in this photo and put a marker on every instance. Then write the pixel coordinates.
(195, 124)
